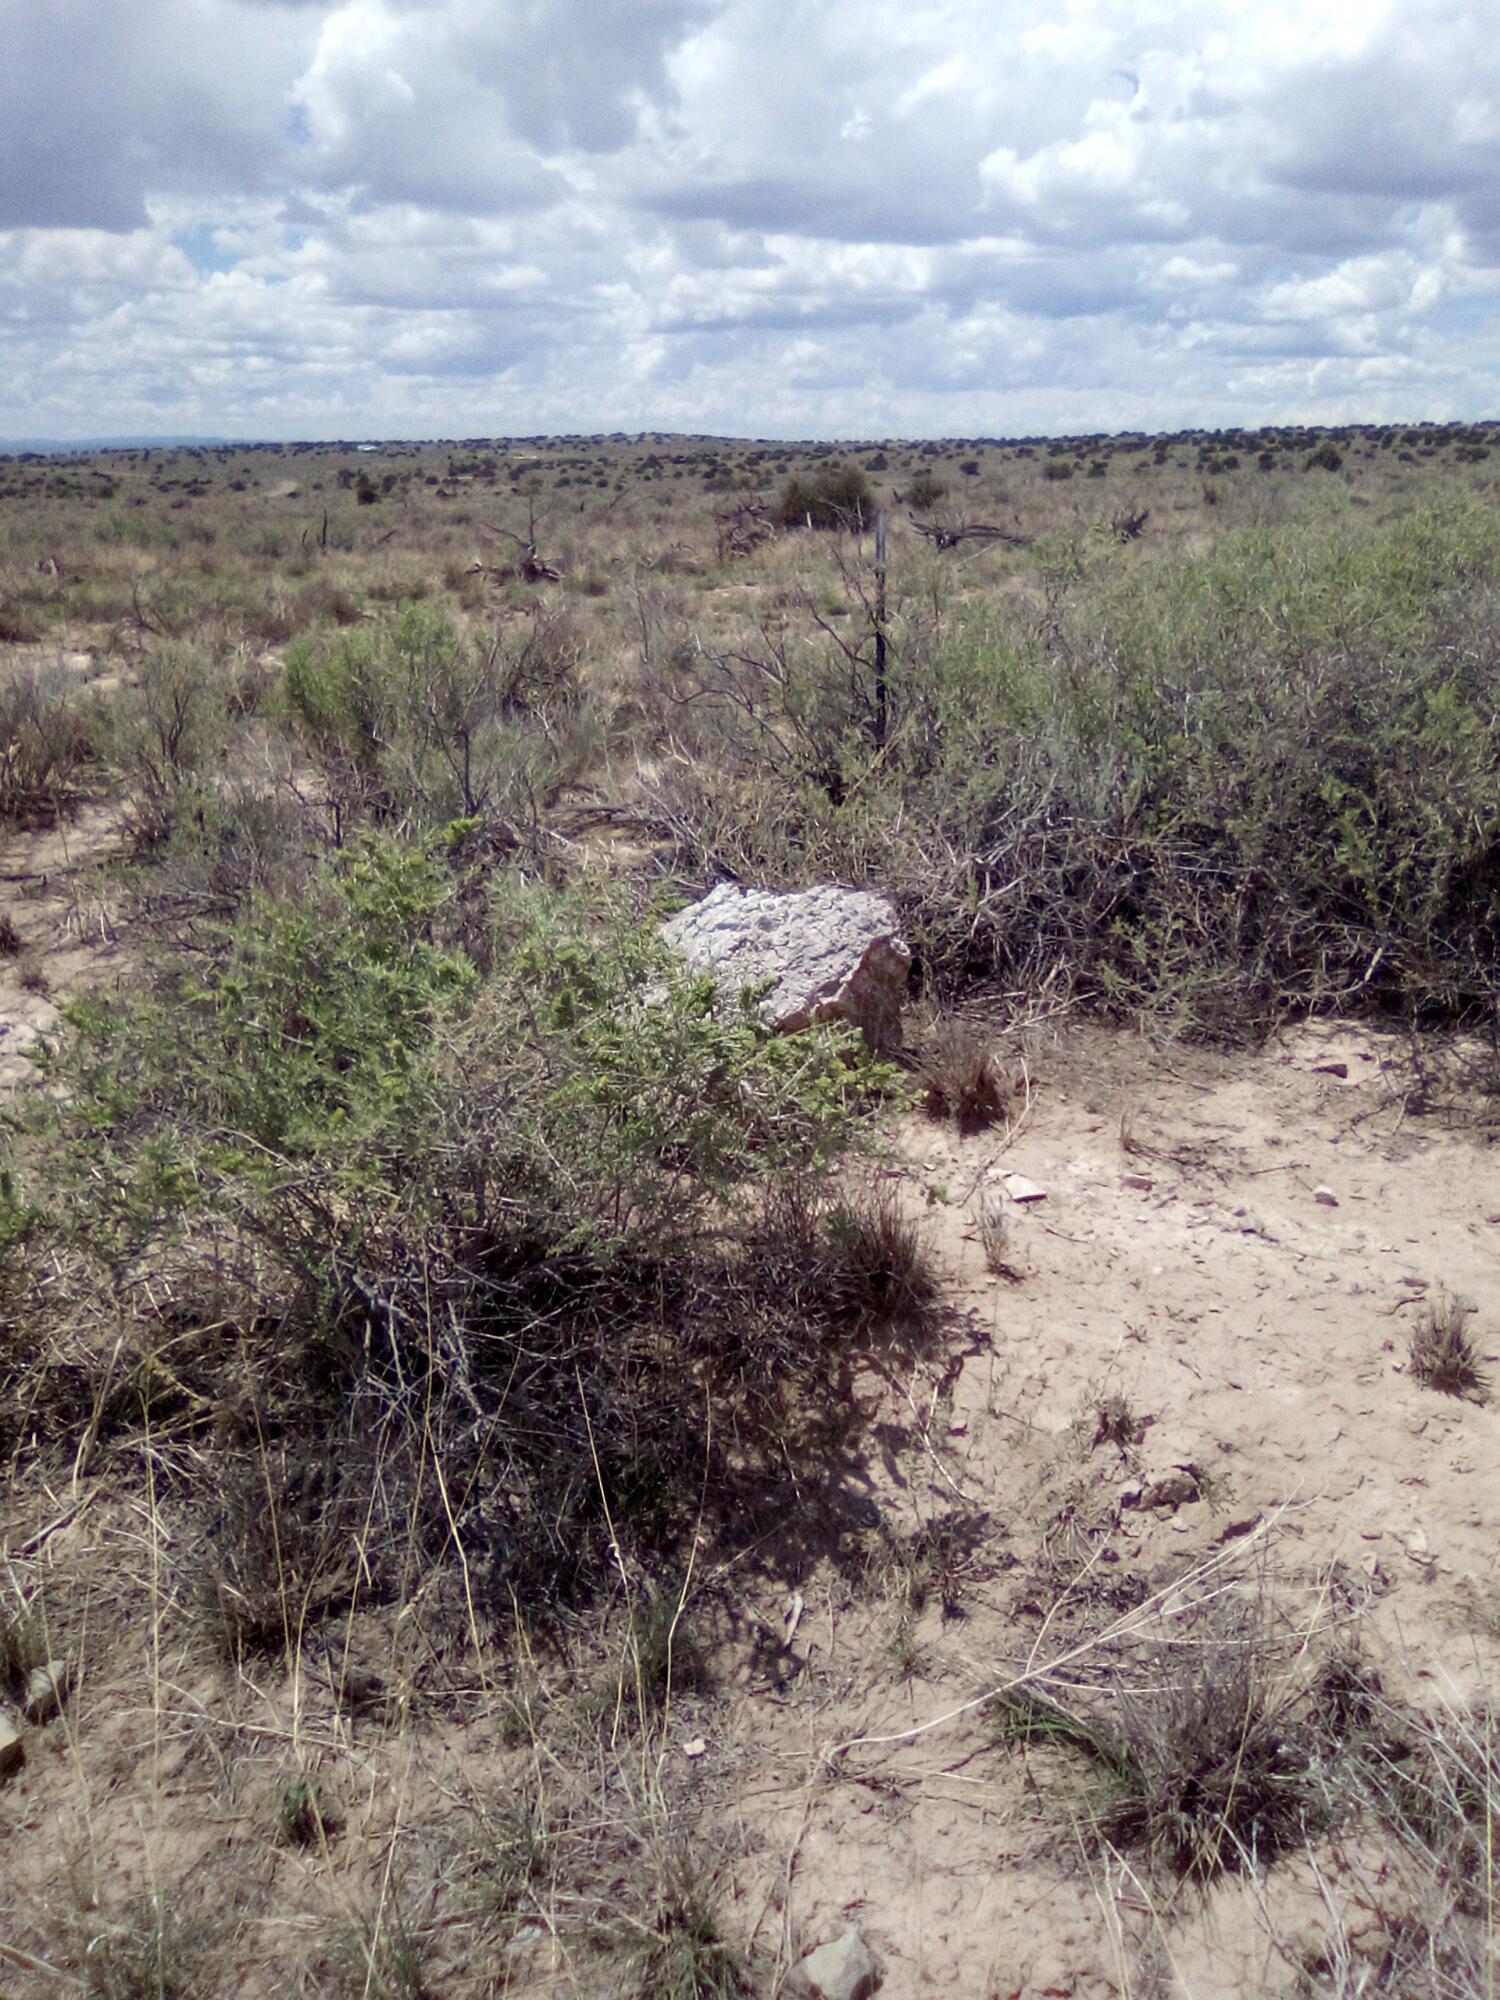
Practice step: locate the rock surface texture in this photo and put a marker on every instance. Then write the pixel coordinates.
(824, 954)
(12, 1747)
(846, 1969)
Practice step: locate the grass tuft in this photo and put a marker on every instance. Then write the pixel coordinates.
(686, 1955)
(1443, 1354)
(957, 1076)
(1203, 1759)
(303, 1814)
(147, 1952)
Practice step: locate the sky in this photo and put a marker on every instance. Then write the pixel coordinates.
(774, 218)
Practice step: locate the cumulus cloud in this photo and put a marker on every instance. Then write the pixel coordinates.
(267, 216)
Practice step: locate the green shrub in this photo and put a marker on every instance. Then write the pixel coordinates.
(835, 496)
(1212, 787)
(163, 731)
(533, 1195)
(412, 719)
(47, 742)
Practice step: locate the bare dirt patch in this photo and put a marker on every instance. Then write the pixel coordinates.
(62, 932)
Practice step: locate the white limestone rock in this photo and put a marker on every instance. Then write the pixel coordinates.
(824, 954)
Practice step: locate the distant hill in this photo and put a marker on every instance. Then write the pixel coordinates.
(14, 447)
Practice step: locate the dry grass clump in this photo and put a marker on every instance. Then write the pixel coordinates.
(23, 1643)
(1443, 1354)
(879, 1267)
(1203, 1747)
(381, 1955)
(282, 1549)
(957, 1074)
(46, 743)
(1209, 1737)
(995, 1233)
(675, 1949)
(1428, 1783)
(143, 1947)
(1213, 1768)
(847, 1260)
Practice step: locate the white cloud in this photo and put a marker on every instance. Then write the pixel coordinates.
(1389, 283)
(462, 215)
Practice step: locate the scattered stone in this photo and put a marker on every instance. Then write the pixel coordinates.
(1143, 1183)
(47, 1688)
(1178, 1489)
(12, 1748)
(824, 954)
(843, 1970)
(1022, 1190)
(1339, 1069)
(695, 1747)
(1326, 1197)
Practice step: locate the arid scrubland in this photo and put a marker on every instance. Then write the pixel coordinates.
(530, 1483)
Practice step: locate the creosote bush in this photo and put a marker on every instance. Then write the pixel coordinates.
(836, 495)
(534, 1207)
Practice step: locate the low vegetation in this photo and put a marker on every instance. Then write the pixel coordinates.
(1443, 1353)
(474, 1309)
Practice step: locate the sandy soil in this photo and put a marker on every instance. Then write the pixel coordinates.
(66, 938)
(1237, 1246)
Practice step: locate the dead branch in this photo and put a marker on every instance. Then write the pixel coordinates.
(531, 566)
(743, 529)
(969, 531)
